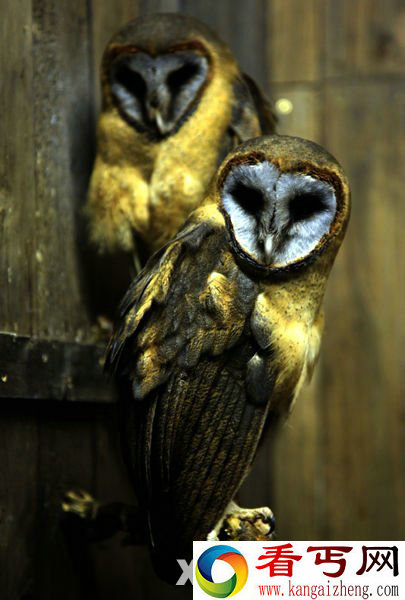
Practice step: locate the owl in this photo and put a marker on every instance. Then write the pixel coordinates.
(174, 103)
(220, 330)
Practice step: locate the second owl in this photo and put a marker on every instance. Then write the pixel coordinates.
(174, 103)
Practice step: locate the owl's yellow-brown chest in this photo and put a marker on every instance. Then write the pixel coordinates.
(291, 320)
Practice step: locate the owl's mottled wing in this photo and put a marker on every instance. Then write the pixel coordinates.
(252, 114)
(156, 325)
(190, 428)
(267, 118)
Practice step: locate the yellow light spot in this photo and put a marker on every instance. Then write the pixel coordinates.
(284, 106)
(4, 378)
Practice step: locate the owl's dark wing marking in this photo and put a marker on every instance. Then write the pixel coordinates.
(252, 115)
(168, 315)
(250, 110)
(267, 118)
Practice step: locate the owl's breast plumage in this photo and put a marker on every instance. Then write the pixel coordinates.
(288, 332)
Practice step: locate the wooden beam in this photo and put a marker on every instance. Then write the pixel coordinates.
(41, 369)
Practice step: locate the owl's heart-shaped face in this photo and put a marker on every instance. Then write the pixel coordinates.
(155, 93)
(277, 218)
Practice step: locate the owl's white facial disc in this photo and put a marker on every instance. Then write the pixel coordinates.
(277, 218)
(155, 93)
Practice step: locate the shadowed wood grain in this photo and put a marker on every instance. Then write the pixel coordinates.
(17, 178)
(18, 435)
(361, 365)
(45, 370)
(62, 138)
(294, 36)
(18, 504)
(122, 576)
(65, 461)
(155, 6)
(297, 470)
(364, 37)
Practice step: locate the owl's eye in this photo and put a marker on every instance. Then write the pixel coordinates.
(306, 206)
(249, 198)
(132, 81)
(182, 77)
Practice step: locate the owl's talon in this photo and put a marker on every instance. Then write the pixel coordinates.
(80, 503)
(103, 520)
(244, 524)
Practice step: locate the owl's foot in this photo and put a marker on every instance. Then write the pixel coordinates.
(103, 521)
(81, 504)
(244, 524)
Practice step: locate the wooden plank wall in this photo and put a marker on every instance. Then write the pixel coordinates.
(48, 91)
(336, 470)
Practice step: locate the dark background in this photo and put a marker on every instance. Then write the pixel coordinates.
(336, 470)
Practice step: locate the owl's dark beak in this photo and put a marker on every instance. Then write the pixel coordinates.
(156, 93)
